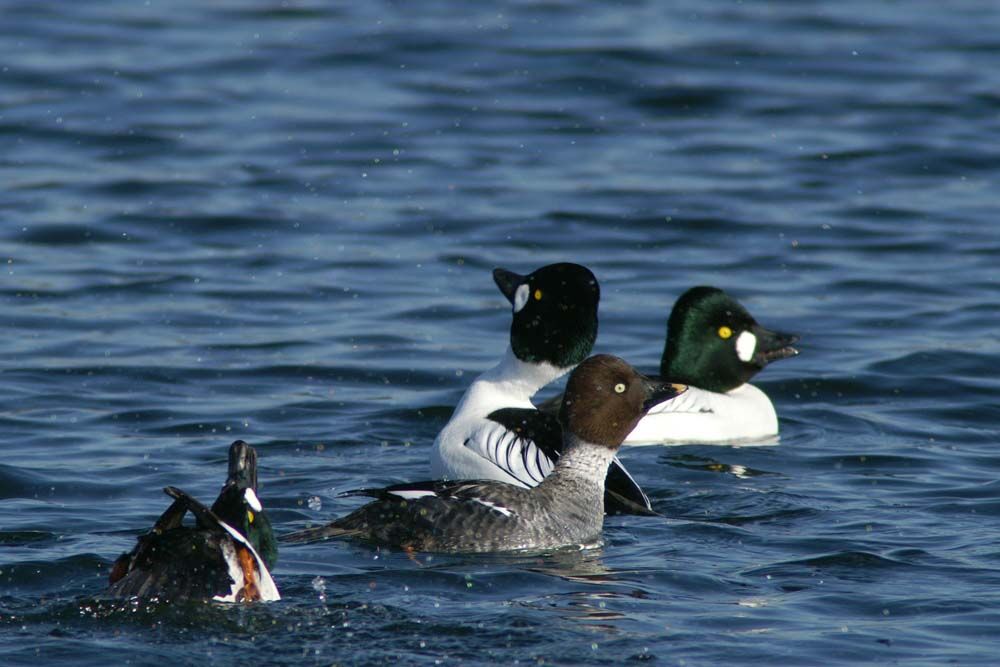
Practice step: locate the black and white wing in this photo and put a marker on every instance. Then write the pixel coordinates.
(173, 561)
(526, 443)
(521, 442)
(259, 580)
(415, 490)
(425, 516)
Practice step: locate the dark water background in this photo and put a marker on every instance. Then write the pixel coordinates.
(276, 220)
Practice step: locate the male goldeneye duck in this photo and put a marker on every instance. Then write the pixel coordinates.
(605, 397)
(225, 556)
(496, 432)
(715, 346)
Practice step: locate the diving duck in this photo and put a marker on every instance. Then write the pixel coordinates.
(225, 556)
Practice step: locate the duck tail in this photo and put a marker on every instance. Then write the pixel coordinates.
(623, 495)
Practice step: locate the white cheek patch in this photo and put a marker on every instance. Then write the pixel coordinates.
(520, 297)
(746, 345)
(252, 500)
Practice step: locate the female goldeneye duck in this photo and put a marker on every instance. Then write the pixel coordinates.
(605, 397)
(715, 346)
(496, 432)
(224, 557)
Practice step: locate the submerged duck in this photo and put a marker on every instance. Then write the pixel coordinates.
(496, 432)
(715, 346)
(225, 556)
(605, 397)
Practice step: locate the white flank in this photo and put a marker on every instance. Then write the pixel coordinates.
(743, 415)
(235, 573)
(520, 297)
(493, 506)
(746, 345)
(252, 500)
(412, 495)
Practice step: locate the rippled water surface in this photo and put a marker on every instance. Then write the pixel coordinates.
(276, 220)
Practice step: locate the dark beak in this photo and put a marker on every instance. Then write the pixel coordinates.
(242, 466)
(772, 345)
(508, 282)
(657, 392)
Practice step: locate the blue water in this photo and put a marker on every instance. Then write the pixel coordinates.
(276, 220)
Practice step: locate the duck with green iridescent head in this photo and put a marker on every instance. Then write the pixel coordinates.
(715, 346)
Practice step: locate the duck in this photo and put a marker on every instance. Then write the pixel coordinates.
(604, 400)
(715, 346)
(495, 432)
(225, 556)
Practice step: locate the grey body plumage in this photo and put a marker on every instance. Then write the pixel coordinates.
(605, 397)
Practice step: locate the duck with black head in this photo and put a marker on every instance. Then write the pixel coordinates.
(495, 431)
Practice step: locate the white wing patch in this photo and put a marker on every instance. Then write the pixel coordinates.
(497, 508)
(518, 457)
(746, 345)
(412, 494)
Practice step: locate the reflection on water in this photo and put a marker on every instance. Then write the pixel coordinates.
(709, 464)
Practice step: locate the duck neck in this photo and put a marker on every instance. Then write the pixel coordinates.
(584, 459)
(583, 465)
(522, 379)
(675, 365)
(575, 487)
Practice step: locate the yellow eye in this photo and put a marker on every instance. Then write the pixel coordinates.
(538, 295)
(620, 388)
(249, 516)
(725, 332)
